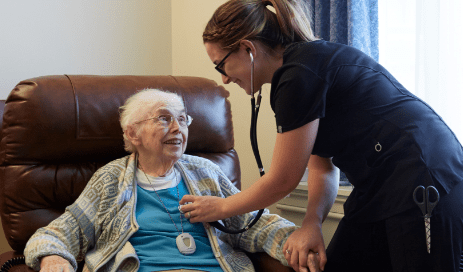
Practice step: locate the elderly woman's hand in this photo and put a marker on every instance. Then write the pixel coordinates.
(203, 208)
(55, 263)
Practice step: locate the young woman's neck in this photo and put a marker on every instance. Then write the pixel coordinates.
(274, 61)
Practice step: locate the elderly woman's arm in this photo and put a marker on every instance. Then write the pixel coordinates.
(55, 263)
(70, 235)
(269, 234)
(60, 238)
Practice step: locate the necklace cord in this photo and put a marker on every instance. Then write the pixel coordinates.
(178, 198)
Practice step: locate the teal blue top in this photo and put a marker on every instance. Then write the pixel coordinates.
(155, 240)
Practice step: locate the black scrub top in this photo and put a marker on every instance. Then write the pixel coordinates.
(385, 139)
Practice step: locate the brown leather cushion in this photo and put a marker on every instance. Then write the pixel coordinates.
(58, 130)
(2, 107)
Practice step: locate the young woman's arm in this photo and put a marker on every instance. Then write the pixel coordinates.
(290, 158)
(323, 184)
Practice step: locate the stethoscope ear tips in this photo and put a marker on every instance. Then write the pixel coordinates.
(250, 53)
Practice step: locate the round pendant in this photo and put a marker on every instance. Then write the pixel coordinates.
(186, 244)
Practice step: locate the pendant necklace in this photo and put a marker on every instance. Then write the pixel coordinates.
(185, 242)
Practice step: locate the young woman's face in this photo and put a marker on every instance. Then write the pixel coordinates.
(237, 65)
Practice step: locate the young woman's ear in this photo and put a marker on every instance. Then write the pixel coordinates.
(249, 47)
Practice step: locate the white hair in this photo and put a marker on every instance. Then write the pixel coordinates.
(138, 107)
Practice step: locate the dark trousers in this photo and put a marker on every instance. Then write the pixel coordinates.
(399, 243)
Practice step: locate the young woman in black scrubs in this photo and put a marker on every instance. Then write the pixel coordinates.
(336, 108)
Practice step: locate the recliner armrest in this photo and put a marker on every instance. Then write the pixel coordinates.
(5, 257)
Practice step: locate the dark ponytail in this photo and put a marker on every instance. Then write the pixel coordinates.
(237, 20)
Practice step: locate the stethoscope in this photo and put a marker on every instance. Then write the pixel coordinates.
(255, 149)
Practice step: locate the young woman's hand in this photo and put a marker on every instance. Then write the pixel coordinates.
(305, 250)
(55, 263)
(203, 208)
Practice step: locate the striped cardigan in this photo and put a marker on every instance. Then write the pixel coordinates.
(98, 225)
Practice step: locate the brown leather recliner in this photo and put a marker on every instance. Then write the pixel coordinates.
(58, 130)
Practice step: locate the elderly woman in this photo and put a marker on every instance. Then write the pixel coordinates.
(128, 216)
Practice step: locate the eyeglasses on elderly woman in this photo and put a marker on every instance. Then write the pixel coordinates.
(166, 120)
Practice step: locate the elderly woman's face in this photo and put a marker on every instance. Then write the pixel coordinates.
(167, 141)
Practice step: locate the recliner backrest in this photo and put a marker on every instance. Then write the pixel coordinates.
(58, 130)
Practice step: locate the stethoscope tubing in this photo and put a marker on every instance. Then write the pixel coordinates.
(255, 146)
(255, 113)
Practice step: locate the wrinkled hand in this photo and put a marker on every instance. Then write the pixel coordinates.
(203, 208)
(307, 249)
(55, 263)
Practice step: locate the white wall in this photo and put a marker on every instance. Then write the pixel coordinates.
(101, 37)
(189, 18)
(151, 37)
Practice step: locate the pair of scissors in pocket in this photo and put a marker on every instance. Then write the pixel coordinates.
(430, 198)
